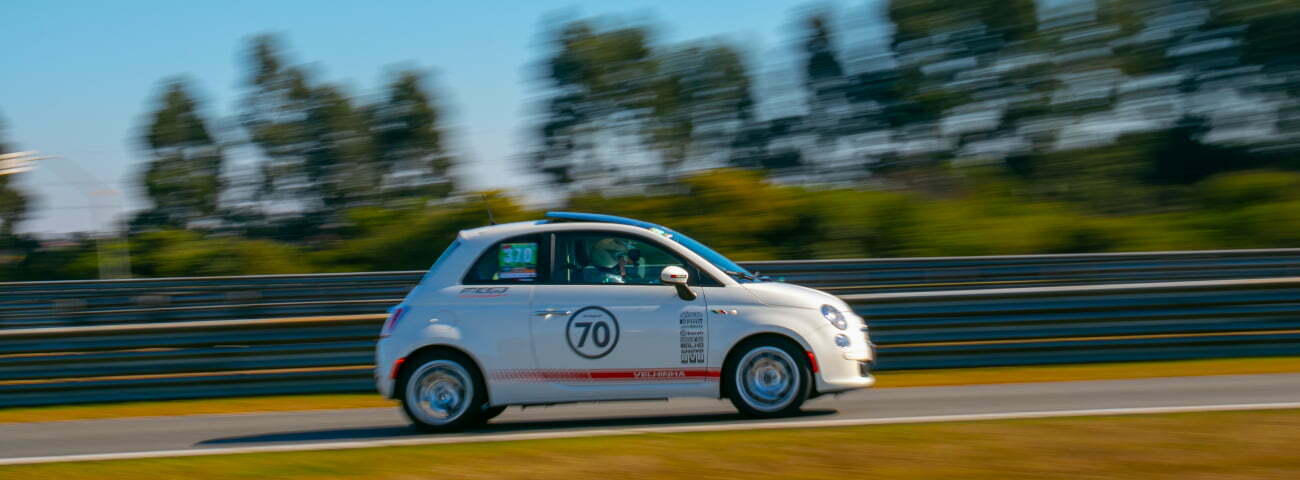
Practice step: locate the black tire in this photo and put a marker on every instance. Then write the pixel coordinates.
(767, 377)
(442, 391)
(490, 413)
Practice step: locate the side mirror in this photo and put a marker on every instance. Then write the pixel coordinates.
(677, 277)
(673, 275)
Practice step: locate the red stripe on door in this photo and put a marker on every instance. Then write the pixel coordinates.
(638, 375)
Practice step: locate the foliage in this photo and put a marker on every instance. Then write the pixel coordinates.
(976, 128)
(720, 209)
(183, 175)
(174, 253)
(746, 217)
(411, 239)
(611, 90)
(326, 152)
(408, 139)
(14, 204)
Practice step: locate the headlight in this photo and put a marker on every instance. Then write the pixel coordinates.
(833, 315)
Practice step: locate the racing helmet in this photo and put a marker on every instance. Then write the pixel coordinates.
(607, 252)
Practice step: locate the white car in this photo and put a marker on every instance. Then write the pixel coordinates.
(585, 307)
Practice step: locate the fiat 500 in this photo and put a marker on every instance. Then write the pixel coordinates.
(585, 307)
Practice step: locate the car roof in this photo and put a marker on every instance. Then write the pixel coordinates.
(569, 221)
(553, 218)
(599, 218)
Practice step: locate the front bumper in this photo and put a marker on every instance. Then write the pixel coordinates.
(843, 369)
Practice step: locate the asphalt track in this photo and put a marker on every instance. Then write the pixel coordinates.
(333, 429)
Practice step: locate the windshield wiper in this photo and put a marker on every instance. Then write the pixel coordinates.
(744, 275)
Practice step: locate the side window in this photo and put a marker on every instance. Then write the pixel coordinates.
(611, 258)
(517, 260)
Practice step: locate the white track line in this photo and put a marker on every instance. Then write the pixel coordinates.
(718, 427)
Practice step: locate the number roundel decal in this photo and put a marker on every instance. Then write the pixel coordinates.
(592, 332)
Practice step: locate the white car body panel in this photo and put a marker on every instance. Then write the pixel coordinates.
(666, 346)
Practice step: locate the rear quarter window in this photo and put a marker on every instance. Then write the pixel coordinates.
(442, 260)
(515, 260)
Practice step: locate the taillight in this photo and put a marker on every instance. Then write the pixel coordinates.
(393, 317)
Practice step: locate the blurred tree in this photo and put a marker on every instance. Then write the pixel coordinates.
(826, 85)
(595, 112)
(1114, 24)
(1271, 41)
(1007, 20)
(966, 33)
(622, 110)
(409, 140)
(13, 202)
(318, 145)
(1180, 155)
(1270, 38)
(824, 76)
(961, 67)
(339, 164)
(183, 177)
(700, 100)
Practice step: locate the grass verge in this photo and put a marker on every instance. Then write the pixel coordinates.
(912, 378)
(1221, 445)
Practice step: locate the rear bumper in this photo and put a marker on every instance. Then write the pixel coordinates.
(384, 384)
(385, 362)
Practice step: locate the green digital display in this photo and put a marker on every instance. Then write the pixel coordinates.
(517, 260)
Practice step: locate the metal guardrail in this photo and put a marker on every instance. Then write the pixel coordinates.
(990, 327)
(276, 296)
(43, 366)
(951, 273)
(1080, 324)
(157, 300)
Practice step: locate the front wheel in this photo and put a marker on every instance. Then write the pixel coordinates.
(444, 393)
(768, 379)
(493, 412)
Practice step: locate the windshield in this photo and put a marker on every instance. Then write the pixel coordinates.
(717, 259)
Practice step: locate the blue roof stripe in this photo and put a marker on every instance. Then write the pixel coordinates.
(600, 218)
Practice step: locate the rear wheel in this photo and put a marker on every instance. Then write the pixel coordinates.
(445, 392)
(767, 378)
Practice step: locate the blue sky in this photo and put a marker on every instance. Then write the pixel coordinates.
(79, 75)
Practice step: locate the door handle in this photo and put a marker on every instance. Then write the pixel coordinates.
(547, 313)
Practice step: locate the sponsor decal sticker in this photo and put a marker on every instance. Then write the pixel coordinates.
(692, 333)
(592, 332)
(483, 292)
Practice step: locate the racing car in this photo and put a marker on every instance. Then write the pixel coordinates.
(582, 307)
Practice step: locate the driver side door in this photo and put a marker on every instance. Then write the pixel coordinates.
(603, 331)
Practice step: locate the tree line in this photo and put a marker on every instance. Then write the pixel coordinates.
(973, 127)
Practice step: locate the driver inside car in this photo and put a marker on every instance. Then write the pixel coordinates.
(610, 259)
